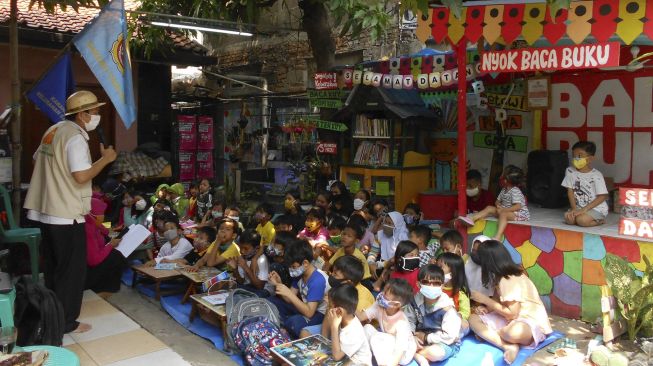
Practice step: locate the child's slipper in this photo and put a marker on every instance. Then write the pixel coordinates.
(467, 220)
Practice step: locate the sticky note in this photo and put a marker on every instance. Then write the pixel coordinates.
(354, 186)
(383, 188)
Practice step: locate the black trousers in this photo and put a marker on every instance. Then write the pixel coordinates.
(106, 276)
(64, 253)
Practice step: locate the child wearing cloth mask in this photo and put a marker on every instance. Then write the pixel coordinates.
(394, 344)
(176, 247)
(455, 285)
(251, 268)
(316, 234)
(293, 210)
(393, 230)
(204, 200)
(586, 188)
(126, 219)
(406, 264)
(437, 326)
(335, 227)
(265, 228)
(412, 214)
(213, 215)
(276, 252)
(141, 211)
(510, 204)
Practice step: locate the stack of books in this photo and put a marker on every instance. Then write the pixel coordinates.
(371, 127)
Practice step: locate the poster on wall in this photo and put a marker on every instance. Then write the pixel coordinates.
(205, 133)
(205, 164)
(186, 165)
(615, 111)
(187, 132)
(538, 92)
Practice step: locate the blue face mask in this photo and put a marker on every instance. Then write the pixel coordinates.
(384, 302)
(430, 292)
(296, 272)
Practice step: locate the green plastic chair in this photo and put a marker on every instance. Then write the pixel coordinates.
(16, 235)
(7, 308)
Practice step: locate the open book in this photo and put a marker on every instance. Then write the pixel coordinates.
(309, 351)
(134, 237)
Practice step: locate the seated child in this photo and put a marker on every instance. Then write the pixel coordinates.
(361, 200)
(412, 214)
(350, 237)
(510, 204)
(251, 269)
(322, 200)
(160, 193)
(275, 253)
(193, 192)
(437, 328)
(305, 303)
(204, 200)
(421, 235)
(228, 231)
(586, 188)
(202, 244)
(406, 264)
(366, 241)
(343, 327)
(317, 235)
(178, 199)
(394, 344)
(452, 242)
(233, 212)
(473, 268)
(477, 197)
(176, 246)
(346, 270)
(265, 228)
(213, 214)
(455, 285)
(154, 242)
(335, 227)
(515, 316)
(393, 230)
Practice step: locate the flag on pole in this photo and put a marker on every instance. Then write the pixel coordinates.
(104, 45)
(50, 93)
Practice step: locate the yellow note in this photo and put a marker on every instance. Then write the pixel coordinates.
(354, 186)
(383, 188)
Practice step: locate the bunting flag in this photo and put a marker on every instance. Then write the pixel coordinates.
(104, 45)
(601, 19)
(50, 93)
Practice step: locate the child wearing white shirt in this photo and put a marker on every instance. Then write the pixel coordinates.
(176, 246)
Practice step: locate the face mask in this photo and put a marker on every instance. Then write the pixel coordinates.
(409, 219)
(288, 204)
(334, 282)
(358, 204)
(503, 183)
(472, 192)
(388, 230)
(475, 258)
(93, 123)
(170, 235)
(409, 263)
(296, 272)
(383, 302)
(235, 218)
(140, 205)
(335, 239)
(430, 292)
(216, 214)
(312, 226)
(250, 255)
(579, 163)
(447, 277)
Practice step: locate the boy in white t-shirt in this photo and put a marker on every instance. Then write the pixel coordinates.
(176, 247)
(251, 269)
(586, 188)
(343, 327)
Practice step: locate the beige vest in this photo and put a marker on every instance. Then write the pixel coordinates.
(53, 190)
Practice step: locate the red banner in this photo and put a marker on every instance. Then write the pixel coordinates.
(326, 81)
(636, 197)
(327, 148)
(634, 227)
(587, 56)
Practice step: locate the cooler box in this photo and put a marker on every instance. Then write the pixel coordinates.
(438, 205)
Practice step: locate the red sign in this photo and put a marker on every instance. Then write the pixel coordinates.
(327, 148)
(326, 81)
(636, 197)
(583, 56)
(635, 227)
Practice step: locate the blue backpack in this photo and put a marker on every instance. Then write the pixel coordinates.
(255, 337)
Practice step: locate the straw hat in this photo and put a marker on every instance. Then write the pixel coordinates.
(80, 101)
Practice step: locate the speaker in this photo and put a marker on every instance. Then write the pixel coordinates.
(546, 170)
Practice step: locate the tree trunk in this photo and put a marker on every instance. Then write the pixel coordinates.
(315, 21)
(16, 108)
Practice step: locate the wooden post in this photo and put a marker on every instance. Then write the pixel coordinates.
(461, 59)
(16, 109)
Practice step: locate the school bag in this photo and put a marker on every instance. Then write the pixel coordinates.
(38, 315)
(255, 337)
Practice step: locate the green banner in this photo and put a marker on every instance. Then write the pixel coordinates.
(512, 143)
(327, 94)
(326, 103)
(328, 125)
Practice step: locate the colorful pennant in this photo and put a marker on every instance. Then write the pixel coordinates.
(533, 22)
(579, 27)
(512, 22)
(604, 14)
(631, 13)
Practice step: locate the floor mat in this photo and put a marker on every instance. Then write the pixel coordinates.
(472, 352)
(179, 312)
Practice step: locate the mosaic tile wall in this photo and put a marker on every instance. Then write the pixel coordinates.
(566, 266)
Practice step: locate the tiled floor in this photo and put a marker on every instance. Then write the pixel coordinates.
(116, 340)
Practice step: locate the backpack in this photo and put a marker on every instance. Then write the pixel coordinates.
(255, 337)
(38, 316)
(242, 304)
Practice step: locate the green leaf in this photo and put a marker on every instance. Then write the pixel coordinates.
(359, 14)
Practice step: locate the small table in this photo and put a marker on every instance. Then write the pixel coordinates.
(158, 275)
(197, 278)
(219, 310)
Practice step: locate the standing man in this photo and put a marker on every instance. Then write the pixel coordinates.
(59, 196)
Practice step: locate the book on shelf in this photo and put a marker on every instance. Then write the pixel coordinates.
(371, 127)
(372, 153)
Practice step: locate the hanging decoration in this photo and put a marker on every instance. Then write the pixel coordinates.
(629, 19)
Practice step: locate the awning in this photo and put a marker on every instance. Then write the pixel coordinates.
(399, 103)
(600, 19)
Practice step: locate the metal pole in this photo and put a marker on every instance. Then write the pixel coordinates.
(16, 108)
(461, 58)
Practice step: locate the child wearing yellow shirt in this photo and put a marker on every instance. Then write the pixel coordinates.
(265, 228)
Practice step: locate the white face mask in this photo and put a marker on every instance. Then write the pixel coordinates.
(93, 123)
(140, 205)
(358, 204)
(472, 192)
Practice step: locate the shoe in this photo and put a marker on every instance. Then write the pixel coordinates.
(467, 220)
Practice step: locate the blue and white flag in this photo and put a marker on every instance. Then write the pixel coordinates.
(50, 93)
(104, 45)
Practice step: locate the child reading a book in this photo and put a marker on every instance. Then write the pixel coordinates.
(226, 247)
(265, 228)
(394, 344)
(437, 322)
(251, 269)
(176, 246)
(343, 327)
(304, 303)
(421, 235)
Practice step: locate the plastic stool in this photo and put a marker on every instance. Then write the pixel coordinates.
(57, 356)
(7, 308)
